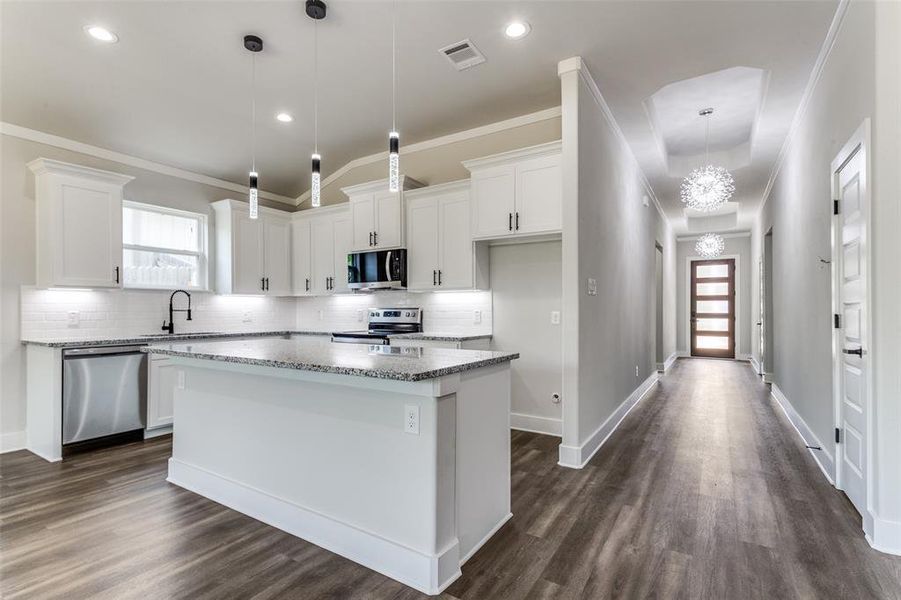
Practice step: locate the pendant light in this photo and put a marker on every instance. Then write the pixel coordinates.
(393, 137)
(253, 44)
(315, 10)
(709, 187)
(710, 245)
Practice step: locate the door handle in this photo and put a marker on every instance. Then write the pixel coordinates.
(858, 351)
(510, 221)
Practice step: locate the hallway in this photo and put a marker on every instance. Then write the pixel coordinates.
(703, 492)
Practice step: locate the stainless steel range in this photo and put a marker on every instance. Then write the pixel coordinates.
(383, 322)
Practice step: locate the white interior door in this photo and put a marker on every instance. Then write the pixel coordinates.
(850, 252)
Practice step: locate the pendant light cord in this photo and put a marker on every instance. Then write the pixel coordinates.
(707, 142)
(253, 112)
(316, 87)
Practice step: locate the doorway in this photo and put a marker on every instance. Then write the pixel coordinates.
(850, 299)
(767, 322)
(658, 309)
(713, 308)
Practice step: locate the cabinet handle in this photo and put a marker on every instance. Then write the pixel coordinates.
(510, 221)
(434, 277)
(307, 284)
(375, 238)
(267, 284)
(439, 276)
(263, 283)
(117, 274)
(370, 239)
(517, 221)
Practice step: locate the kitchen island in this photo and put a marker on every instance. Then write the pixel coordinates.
(396, 458)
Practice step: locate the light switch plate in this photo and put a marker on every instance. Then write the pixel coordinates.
(73, 318)
(476, 317)
(592, 287)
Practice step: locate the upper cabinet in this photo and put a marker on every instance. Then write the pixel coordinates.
(377, 215)
(321, 241)
(79, 225)
(517, 193)
(253, 256)
(440, 251)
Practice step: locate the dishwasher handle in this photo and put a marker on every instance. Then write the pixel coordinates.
(100, 351)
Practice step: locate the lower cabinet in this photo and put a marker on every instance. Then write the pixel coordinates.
(160, 393)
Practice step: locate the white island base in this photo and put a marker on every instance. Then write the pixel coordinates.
(326, 457)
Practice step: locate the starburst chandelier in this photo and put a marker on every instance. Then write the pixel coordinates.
(709, 187)
(710, 245)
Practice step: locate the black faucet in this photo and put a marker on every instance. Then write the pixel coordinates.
(171, 326)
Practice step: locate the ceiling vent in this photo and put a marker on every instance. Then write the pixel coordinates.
(463, 55)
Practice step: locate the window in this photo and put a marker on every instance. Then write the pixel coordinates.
(163, 247)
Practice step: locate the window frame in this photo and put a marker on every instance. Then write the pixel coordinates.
(202, 255)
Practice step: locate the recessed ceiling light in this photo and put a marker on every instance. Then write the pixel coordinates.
(517, 30)
(284, 117)
(101, 33)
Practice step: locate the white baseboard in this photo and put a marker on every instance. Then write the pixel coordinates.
(545, 425)
(485, 539)
(769, 378)
(823, 458)
(668, 363)
(755, 364)
(743, 357)
(12, 441)
(683, 354)
(426, 573)
(152, 433)
(886, 536)
(577, 457)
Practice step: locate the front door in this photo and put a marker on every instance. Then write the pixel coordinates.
(851, 358)
(713, 308)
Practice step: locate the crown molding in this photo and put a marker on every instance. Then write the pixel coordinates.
(546, 149)
(814, 79)
(41, 137)
(45, 166)
(460, 136)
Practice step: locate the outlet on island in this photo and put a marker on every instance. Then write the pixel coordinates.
(411, 419)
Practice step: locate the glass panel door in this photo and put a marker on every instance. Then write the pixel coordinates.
(713, 308)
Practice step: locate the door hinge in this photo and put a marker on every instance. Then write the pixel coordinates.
(838, 435)
(837, 321)
(835, 209)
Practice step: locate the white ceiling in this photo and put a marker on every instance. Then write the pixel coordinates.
(175, 89)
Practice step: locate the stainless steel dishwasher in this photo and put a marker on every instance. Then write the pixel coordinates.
(104, 392)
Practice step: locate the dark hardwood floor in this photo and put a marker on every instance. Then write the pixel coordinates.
(703, 492)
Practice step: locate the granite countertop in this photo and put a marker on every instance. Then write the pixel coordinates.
(79, 342)
(382, 362)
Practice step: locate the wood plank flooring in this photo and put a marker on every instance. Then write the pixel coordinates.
(703, 492)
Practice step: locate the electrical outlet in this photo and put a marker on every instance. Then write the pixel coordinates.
(476, 317)
(360, 315)
(555, 317)
(411, 419)
(74, 318)
(247, 317)
(180, 384)
(636, 370)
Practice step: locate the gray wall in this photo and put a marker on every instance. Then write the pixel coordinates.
(526, 286)
(735, 246)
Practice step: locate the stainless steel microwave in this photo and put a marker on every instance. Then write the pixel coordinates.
(379, 270)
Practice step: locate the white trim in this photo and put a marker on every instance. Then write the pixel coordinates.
(397, 561)
(40, 137)
(12, 441)
(546, 149)
(688, 261)
(460, 136)
(768, 377)
(668, 363)
(577, 457)
(742, 357)
(755, 364)
(886, 536)
(725, 236)
(812, 81)
(533, 424)
(157, 432)
(485, 539)
(822, 457)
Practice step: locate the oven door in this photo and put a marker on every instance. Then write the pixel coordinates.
(382, 269)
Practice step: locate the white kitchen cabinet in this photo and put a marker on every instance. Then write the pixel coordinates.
(162, 381)
(377, 215)
(440, 251)
(79, 225)
(517, 193)
(321, 249)
(253, 256)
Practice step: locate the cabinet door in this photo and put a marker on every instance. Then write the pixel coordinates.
(88, 234)
(539, 195)
(162, 378)
(342, 245)
(301, 260)
(322, 233)
(493, 191)
(388, 220)
(362, 215)
(455, 242)
(247, 254)
(277, 241)
(422, 243)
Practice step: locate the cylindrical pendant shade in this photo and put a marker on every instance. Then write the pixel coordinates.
(253, 196)
(393, 162)
(315, 184)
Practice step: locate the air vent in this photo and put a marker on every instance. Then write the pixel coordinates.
(463, 55)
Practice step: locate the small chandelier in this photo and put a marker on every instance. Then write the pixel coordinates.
(710, 245)
(709, 187)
